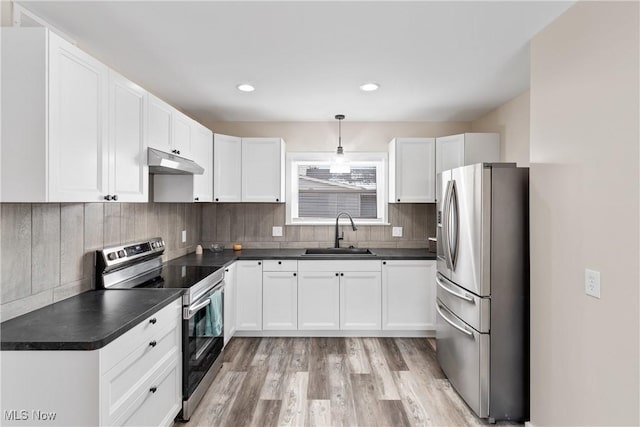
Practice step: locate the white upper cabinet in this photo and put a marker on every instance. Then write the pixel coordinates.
(202, 153)
(128, 174)
(466, 149)
(412, 170)
(263, 170)
(59, 143)
(169, 129)
(159, 113)
(181, 134)
(227, 168)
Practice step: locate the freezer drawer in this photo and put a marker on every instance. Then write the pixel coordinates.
(469, 307)
(463, 355)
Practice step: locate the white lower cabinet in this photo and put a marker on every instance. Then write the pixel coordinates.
(360, 301)
(279, 300)
(134, 380)
(249, 295)
(408, 295)
(318, 300)
(333, 295)
(339, 295)
(229, 309)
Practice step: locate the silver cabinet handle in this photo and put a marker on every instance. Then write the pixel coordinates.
(449, 321)
(465, 297)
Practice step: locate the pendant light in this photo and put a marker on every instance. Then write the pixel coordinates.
(340, 164)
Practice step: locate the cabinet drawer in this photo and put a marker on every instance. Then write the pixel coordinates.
(280, 265)
(157, 408)
(148, 330)
(121, 381)
(340, 266)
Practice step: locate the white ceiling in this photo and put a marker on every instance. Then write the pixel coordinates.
(435, 61)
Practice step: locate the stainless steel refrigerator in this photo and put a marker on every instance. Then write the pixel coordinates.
(483, 286)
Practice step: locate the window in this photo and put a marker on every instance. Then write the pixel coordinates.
(316, 195)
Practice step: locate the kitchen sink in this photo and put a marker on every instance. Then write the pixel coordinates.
(338, 251)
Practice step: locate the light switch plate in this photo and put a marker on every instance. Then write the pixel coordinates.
(276, 231)
(396, 232)
(184, 236)
(592, 283)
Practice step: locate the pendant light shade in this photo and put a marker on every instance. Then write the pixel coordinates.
(340, 164)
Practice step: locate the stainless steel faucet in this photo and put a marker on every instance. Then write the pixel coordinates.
(337, 242)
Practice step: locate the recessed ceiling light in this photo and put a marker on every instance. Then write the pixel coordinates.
(369, 87)
(245, 87)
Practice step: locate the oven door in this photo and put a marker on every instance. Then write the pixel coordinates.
(202, 333)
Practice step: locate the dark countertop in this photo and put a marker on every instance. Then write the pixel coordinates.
(88, 321)
(220, 259)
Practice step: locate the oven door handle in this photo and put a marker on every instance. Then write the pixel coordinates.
(191, 311)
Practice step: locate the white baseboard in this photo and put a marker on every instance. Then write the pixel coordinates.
(528, 424)
(391, 334)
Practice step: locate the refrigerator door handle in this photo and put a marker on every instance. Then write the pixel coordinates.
(450, 322)
(445, 224)
(453, 201)
(465, 296)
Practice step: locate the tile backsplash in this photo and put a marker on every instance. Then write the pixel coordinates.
(251, 224)
(47, 249)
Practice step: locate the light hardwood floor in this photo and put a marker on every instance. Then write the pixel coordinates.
(331, 382)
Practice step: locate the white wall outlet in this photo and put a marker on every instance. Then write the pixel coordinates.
(396, 232)
(276, 231)
(592, 283)
(184, 236)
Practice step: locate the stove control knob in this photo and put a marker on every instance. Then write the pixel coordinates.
(153, 245)
(111, 256)
(121, 254)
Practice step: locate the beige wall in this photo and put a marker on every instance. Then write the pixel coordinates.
(511, 120)
(323, 136)
(585, 214)
(47, 248)
(6, 13)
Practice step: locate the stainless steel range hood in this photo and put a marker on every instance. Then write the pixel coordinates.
(161, 163)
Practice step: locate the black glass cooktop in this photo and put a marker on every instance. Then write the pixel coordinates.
(177, 276)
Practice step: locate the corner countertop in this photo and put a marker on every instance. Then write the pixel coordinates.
(88, 321)
(226, 257)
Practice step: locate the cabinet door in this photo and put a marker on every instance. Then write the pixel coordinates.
(249, 295)
(78, 155)
(128, 171)
(227, 169)
(262, 170)
(279, 300)
(415, 176)
(159, 124)
(202, 154)
(318, 301)
(449, 152)
(229, 302)
(360, 300)
(180, 134)
(408, 295)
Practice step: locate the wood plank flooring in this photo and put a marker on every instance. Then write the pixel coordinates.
(331, 382)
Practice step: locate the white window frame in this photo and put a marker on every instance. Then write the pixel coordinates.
(293, 159)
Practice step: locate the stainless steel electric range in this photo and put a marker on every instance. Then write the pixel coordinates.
(139, 265)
